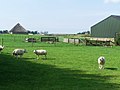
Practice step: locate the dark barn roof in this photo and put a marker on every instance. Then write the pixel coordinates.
(18, 29)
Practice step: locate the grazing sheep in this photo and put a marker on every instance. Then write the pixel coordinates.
(101, 62)
(19, 52)
(1, 48)
(30, 40)
(40, 52)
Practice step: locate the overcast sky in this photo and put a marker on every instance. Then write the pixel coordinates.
(56, 16)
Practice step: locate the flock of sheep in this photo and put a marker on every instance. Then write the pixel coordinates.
(20, 52)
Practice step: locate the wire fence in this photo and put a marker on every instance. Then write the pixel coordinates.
(19, 41)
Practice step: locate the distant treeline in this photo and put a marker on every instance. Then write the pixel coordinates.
(84, 32)
(6, 32)
(33, 32)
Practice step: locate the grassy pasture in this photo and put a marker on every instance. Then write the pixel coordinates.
(68, 67)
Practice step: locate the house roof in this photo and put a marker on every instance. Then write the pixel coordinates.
(18, 29)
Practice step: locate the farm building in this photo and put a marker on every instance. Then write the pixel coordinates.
(107, 28)
(49, 39)
(18, 29)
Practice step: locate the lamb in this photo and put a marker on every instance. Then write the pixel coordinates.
(40, 52)
(101, 62)
(1, 48)
(19, 52)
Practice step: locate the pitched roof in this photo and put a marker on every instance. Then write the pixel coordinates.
(114, 16)
(18, 29)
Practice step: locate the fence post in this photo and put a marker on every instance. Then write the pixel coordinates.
(74, 41)
(68, 40)
(32, 43)
(14, 38)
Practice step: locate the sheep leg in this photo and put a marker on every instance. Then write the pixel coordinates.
(20, 56)
(37, 57)
(17, 56)
(101, 67)
(45, 57)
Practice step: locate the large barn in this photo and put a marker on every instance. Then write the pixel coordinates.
(107, 28)
(18, 29)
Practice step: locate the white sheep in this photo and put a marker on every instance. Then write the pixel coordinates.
(40, 52)
(19, 52)
(101, 62)
(1, 48)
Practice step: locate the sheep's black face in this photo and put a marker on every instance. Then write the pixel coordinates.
(25, 51)
(102, 61)
(35, 51)
(14, 54)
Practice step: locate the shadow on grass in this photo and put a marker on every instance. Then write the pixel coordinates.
(112, 68)
(40, 58)
(25, 75)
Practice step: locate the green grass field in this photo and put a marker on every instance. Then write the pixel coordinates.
(67, 67)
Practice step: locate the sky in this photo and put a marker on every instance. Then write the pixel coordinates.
(56, 16)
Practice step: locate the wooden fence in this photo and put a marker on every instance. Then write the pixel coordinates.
(100, 41)
(75, 41)
(90, 41)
